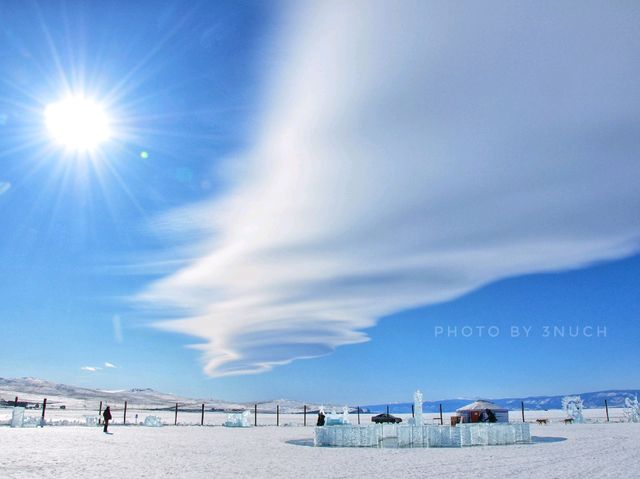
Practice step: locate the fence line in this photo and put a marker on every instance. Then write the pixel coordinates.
(531, 415)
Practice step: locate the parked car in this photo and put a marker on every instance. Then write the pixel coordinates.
(382, 418)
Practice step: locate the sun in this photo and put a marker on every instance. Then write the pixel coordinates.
(77, 123)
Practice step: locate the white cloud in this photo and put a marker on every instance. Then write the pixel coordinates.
(109, 365)
(91, 369)
(411, 152)
(4, 187)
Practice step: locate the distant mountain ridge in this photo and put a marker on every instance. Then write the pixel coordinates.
(591, 400)
(27, 386)
(34, 390)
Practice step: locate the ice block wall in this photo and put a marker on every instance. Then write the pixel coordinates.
(402, 436)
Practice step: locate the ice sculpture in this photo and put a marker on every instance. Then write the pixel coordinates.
(417, 407)
(632, 409)
(32, 421)
(91, 420)
(153, 421)
(238, 420)
(573, 406)
(335, 419)
(17, 417)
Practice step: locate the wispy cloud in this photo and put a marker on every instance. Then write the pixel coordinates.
(409, 153)
(4, 187)
(109, 365)
(91, 369)
(117, 329)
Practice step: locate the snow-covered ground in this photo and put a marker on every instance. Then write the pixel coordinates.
(559, 451)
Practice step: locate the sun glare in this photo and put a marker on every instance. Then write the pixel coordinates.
(77, 123)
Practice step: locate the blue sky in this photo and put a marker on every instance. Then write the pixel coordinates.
(326, 185)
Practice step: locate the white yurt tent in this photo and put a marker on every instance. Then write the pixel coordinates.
(472, 412)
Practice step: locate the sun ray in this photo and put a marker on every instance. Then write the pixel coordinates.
(59, 128)
(62, 77)
(126, 84)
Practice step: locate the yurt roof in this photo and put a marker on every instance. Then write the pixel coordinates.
(481, 405)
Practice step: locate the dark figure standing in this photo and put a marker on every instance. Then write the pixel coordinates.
(484, 416)
(488, 416)
(320, 419)
(491, 417)
(107, 417)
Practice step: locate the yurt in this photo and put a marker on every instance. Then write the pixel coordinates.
(473, 412)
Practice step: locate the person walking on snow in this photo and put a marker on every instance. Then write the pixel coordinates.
(107, 417)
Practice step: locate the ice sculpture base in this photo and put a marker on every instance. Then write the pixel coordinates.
(404, 435)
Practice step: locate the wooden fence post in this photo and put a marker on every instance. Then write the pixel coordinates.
(255, 414)
(522, 408)
(441, 420)
(277, 414)
(413, 411)
(100, 414)
(44, 408)
(125, 413)
(358, 414)
(606, 408)
(175, 420)
(305, 414)
(202, 416)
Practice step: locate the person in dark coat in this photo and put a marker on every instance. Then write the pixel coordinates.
(106, 415)
(491, 416)
(484, 416)
(320, 419)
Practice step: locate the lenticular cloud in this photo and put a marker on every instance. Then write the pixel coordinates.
(410, 152)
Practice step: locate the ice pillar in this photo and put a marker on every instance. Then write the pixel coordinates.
(417, 407)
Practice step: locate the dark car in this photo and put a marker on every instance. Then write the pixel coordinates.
(382, 418)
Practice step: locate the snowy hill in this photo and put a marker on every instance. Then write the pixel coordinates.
(615, 398)
(41, 387)
(33, 390)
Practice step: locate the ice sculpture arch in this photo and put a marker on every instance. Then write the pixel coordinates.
(573, 407)
(632, 409)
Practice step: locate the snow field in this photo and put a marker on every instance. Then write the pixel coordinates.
(559, 451)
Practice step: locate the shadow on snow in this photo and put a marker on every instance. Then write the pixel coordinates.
(546, 439)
